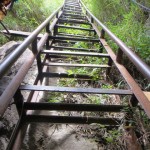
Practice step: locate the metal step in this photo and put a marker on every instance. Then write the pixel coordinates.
(73, 38)
(66, 42)
(69, 14)
(75, 90)
(74, 27)
(76, 49)
(77, 12)
(75, 21)
(65, 75)
(76, 65)
(74, 6)
(74, 12)
(72, 3)
(75, 35)
(71, 120)
(73, 17)
(75, 53)
(73, 107)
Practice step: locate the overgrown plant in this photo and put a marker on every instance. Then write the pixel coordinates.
(127, 21)
(26, 15)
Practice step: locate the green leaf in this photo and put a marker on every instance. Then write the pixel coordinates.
(109, 139)
(70, 72)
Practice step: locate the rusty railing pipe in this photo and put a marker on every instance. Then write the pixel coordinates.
(10, 90)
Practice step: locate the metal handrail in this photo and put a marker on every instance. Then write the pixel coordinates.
(11, 89)
(12, 58)
(136, 60)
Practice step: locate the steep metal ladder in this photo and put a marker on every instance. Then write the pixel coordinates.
(60, 44)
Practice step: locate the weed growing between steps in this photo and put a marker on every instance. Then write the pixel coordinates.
(139, 123)
(106, 137)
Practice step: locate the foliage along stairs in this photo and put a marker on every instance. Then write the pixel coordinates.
(74, 43)
(73, 19)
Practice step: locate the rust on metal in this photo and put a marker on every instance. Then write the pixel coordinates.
(140, 65)
(129, 79)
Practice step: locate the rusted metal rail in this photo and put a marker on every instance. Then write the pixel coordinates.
(140, 65)
(7, 63)
(53, 44)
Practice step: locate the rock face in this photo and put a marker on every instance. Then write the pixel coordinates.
(10, 117)
(5, 50)
(9, 47)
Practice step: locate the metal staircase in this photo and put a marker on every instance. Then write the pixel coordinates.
(72, 26)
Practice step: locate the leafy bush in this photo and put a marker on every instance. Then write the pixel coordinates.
(127, 21)
(26, 15)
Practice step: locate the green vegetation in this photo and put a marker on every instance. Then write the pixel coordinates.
(55, 97)
(26, 15)
(127, 21)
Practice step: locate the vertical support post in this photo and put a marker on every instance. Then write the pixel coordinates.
(133, 101)
(39, 65)
(17, 136)
(48, 31)
(101, 48)
(86, 13)
(18, 99)
(38, 58)
(108, 69)
(119, 56)
(34, 46)
(55, 27)
(102, 34)
(55, 30)
(92, 20)
(57, 15)
(47, 43)
(47, 28)
(95, 33)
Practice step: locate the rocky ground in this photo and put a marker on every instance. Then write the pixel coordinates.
(10, 117)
